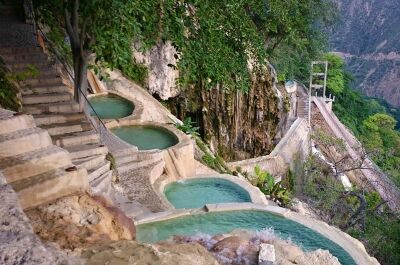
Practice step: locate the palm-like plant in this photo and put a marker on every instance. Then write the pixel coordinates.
(266, 183)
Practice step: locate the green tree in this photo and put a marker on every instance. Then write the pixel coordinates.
(103, 27)
(336, 73)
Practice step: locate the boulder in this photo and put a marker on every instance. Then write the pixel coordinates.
(266, 255)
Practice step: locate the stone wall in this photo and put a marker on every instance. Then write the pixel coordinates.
(290, 152)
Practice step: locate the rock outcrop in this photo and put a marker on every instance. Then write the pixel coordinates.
(237, 125)
(161, 62)
(76, 222)
(242, 247)
(133, 253)
(18, 242)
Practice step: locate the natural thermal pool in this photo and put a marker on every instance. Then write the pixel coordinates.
(224, 222)
(195, 193)
(146, 137)
(111, 106)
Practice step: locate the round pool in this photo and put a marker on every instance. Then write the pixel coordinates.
(195, 193)
(146, 137)
(225, 222)
(111, 106)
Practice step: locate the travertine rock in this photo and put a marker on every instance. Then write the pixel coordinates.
(266, 255)
(133, 253)
(18, 243)
(78, 221)
(161, 61)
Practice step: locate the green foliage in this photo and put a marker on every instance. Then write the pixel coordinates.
(266, 183)
(8, 90)
(336, 80)
(215, 40)
(379, 134)
(55, 33)
(380, 228)
(113, 164)
(188, 127)
(298, 37)
(209, 159)
(367, 118)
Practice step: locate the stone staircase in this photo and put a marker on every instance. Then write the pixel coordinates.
(38, 171)
(302, 103)
(137, 173)
(51, 103)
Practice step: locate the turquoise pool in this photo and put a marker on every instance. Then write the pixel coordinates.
(111, 106)
(224, 222)
(146, 137)
(195, 193)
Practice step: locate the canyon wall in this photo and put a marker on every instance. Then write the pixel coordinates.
(367, 36)
(236, 124)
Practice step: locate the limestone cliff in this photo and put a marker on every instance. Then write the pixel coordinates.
(237, 125)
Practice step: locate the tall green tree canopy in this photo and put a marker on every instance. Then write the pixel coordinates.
(215, 40)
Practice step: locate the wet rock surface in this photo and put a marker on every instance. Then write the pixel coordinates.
(242, 247)
(133, 253)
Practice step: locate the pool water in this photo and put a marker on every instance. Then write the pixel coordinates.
(111, 106)
(225, 222)
(195, 193)
(146, 137)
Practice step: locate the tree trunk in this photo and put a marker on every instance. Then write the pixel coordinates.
(359, 215)
(80, 82)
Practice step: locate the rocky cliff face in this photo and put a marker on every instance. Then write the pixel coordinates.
(76, 222)
(368, 37)
(237, 125)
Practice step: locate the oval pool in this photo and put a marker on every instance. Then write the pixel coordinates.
(111, 106)
(225, 222)
(146, 137)
(195, 193)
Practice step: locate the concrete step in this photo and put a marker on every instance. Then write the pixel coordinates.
(46, 98)
(6, 114)
(22, 60)
(138, 165)
(68, 127)
(59, 88)
(90, 162)
(49, 186)
(81, 151)
(88, 137)
(16, 123)
(50, 72)
(102, 183)
(120, 160)
(97, 172)
(29, 57)
(61, 107)
(33, 163)
(20, 50)
(130, 208)
(23, 141)
(44, 80)
(22, 66)
(45, 119)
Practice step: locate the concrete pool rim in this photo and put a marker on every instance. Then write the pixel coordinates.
(256, 196)
(137, 105)
(351, 245)
(181, 138)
